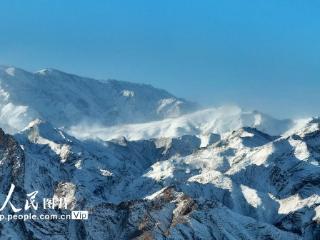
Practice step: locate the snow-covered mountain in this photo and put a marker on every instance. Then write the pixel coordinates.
(219, 173)
(66, 100)
(247, 185)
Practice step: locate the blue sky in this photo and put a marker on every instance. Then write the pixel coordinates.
(262, 54)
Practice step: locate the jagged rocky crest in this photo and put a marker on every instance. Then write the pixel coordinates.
(247, 185)
(213, 174)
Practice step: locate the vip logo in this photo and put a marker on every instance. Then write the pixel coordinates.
(79, 215)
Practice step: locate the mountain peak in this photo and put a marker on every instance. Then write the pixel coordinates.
(44, 71)
(65, 100)
(38, 123)
(51, 72)
(40, 129)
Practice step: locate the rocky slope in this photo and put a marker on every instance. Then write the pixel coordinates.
(220, 173)
(247, 185)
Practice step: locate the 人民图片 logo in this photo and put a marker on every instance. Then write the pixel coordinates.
(31, 205)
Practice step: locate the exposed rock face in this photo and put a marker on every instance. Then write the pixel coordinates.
(210, 174)
(247, 185)
(11, 162)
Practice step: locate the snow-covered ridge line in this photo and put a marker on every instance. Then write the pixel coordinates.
(245, 185)
(65, 99)
(153, 168)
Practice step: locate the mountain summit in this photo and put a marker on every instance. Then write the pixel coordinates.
(65, 99)
(218, 173)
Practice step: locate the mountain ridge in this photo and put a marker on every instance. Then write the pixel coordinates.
(218, 173)
(245, 185)
(71, 99)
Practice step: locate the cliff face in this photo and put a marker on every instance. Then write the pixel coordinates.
(247, 185)
(12, 162)
(218, 173)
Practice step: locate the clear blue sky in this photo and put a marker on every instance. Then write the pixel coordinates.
(262, 54)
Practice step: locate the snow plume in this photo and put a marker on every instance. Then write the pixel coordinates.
(14, 118)
(201, 123)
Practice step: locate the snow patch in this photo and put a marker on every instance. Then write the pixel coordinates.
(127, 93)
(251, 196)
(105, 173)
(11, 71)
